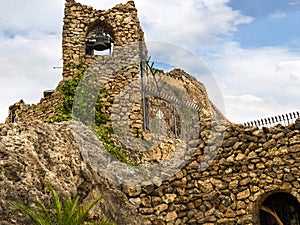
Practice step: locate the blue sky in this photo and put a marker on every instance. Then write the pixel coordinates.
(251, 47)
(276, 23)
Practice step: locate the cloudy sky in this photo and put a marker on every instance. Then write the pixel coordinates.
(251, 47)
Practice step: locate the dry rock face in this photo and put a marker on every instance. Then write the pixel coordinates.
(33, 152)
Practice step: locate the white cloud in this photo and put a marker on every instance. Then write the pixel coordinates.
(189, 23)
(294, 3)
(243, 109)
(26, 68)
(186, 23)
(30, 45)
(244, 98)
(277, 15)
(291, 68)
(257, 82)
(16, 16)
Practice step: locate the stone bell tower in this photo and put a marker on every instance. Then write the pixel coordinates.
(87, 31)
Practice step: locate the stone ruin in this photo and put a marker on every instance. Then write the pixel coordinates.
(229, 172)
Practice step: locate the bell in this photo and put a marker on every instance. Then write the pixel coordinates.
(102, 43)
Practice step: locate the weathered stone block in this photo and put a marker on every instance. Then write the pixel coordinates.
(243, 195)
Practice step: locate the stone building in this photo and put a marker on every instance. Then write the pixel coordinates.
(118, 26)
(227, 173)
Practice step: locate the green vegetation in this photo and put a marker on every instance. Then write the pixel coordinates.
(137, 133)
(68, 90)
(66, 212)
(104, 133)
(98, 120)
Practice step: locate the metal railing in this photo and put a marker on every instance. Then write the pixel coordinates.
(173, 99)
(285, 119)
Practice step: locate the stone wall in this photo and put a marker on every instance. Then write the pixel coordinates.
(115, 72)
(250, 165)
(121, 22)
(46, 108)
(119, 89)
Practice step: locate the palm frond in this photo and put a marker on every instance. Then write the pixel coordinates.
(85, 210)
(57, 204)
(36, 217)
(70, 209)
(42, 207)
(67, 212)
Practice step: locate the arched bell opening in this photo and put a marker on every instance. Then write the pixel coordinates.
(99, 40)
(279, 209)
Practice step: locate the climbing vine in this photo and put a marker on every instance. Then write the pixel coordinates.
(68, 90)
(96, 122)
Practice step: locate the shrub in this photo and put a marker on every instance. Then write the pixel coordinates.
(66, 212)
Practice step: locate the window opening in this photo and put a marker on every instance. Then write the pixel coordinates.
(280, 209)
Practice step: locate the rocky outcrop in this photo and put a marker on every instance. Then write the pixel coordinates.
(33, 152)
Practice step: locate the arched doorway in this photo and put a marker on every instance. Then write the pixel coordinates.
(280, 209)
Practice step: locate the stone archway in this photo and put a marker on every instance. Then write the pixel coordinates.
(102, 30)
(280, 209)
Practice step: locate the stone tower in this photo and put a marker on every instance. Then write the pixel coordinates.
(81, 22)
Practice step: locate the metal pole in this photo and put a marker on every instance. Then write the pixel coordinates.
(143, 84)
(175, 125)
(144, 97)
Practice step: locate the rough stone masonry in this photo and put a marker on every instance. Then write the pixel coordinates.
(224, 183)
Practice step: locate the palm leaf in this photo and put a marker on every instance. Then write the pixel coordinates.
(67, 212)
(36, 218)
(70, 209)
(42, 208)
(57, 204)
(45, 211)
(85, 210)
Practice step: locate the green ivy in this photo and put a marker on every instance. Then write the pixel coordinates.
(105, 136)
(66, 111)
(68, 90)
